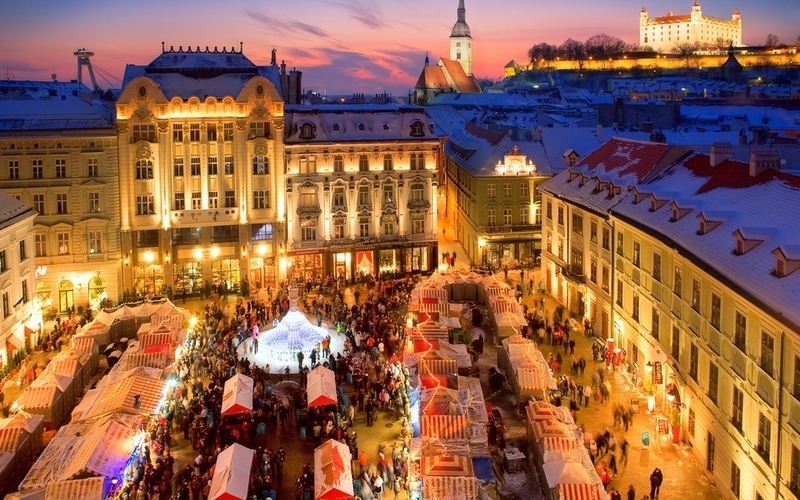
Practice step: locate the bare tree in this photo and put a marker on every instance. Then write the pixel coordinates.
(722, 43)
(772, 40)
(603, 46)
(797, 42)
(542, 54)
(573, 50)
(686, 51)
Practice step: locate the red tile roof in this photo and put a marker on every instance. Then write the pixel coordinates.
(683, 18)
(461, 81)
(491, 136)
(733, 174)
(626, 157)
(432, 77)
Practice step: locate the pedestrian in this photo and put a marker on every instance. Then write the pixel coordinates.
(614, 494)
(656, 478)
(300, 358)
(631, 493)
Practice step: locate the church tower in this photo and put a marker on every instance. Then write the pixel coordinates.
(461, 41)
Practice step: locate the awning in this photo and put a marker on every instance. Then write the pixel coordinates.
(444, 427)
(14, 342)
(231, 473)
(579, 492)
(321, 387)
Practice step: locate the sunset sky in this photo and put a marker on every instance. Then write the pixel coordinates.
(342, 46)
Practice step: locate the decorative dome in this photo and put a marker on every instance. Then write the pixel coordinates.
(461, 28)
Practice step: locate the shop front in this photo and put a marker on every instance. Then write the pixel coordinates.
(356, 264)
(188, 278)
(499, 253)
(304, 265)
(225, 275)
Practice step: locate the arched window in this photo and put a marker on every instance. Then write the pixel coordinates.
(417, 130)
(43, 291)
(307, 131)
(66, 297)
(97, 289)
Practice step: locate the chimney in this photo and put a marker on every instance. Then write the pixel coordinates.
(599, 132)
(720, 151)
(763, 159)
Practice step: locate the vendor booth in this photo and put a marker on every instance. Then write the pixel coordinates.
(237, 396)
(321, 387)
(232, 473)
(333, 476)
(20, 443)
(447, 477)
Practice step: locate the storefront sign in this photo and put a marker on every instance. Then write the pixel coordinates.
(312, 251)
(658, 375)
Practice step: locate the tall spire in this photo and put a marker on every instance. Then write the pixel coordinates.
(461, 28)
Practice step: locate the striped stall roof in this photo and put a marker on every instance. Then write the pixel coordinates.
(11, 438)
(580, 492)
(90, 488)
(450, 488)
(156, 359)
(85, 344)
(123, 396)
(447, 465)
(445, 427)
(39, 397)
(551, 428)
(557, 443)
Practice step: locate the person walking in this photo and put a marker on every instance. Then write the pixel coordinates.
(656, 478)
(631, 493)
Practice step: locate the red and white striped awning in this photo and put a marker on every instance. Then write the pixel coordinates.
(449, 488)
(559, 444)
(443, 426)
(579, 492)
(551, 428)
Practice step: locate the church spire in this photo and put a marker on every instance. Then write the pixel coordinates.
(461, 28)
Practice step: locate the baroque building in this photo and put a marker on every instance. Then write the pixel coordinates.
(58, 154)
(201, 172)
(360, 191)
(700, 294)
(663, 33)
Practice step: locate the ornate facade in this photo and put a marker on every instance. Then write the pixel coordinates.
(201, 172)
(360, 191)
(665, 32)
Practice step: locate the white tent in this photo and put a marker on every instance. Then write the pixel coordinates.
(321, 387)
(333, 477)
(237, 396)
(232, 473)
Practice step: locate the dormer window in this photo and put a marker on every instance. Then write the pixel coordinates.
(678, 213)
(573, 176)
(706, 225)
(655, 203)
(745, 243)
(638, 196)
(336, 127)
(787, 260)
(307, 131)
(361, 126)
(385, 126)
(584, 180)
(417, 129)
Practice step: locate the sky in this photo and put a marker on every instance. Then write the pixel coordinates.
(341, 46)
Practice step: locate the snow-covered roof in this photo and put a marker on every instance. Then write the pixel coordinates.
(762, 207)
(357, 122)
(55, 114)
(12, 210)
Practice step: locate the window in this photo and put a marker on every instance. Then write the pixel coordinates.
(549, 210)
(694, 359)
(180, 236)
(339, 197)
(388, 194)
(507, 217)
(224, 234)
(388, 163)
(491, 217)
(363, 226)
(738, 409)
(197, 200)
(606, 239)
(577, 223)
(796, 391)
(637, 254)
(417, 129)
(61, 204)
(144, 169)
(3, 261)
(213, 199)
(177, 167)
(38, 170)
(143, 133)
(523, 190)
(490, 190)
(696, 294)
(657, 266)
(635, 307)
(523, 216)
(260, 165)
(417, 161)
(177, 132)
(767, 360)
(194, 165)
(364, 195)
(655, 323)
(6, 306)
(211, 132)
(308, 164)
(338, 163)
(230, 199)
(560, 216)
(740, 333)
(23, 254)
(194, 132)
(227, 131)
(417, 192)
(764, 436)
(676, 342)
(606, 278)
(388, 228)
(62, 239)
(593, 271)
(691, 423)
(417, 223)
(24, 290)
(716, 307)
(794, 472)
(40, 245)
(13, 169)
(94, 238)
(259, 129)
(228, 165)
(713, 382)
(309, 233)
(507, 189)
(621, 244)
(212, 165)
(92, 167)
(94, 203)
(144, 205)
(260, 199)
(677, 284)
(338, 229)
(593, 232)
(180, 201)
(363, 163)
(262, 232)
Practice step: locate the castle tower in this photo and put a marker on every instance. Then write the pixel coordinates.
(697, 14)
(461, 41)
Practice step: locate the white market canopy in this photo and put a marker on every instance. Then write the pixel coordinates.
(232, 473)
(321, 387)
(237, 397)
(333, 477)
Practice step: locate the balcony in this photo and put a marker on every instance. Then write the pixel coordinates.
(510, 229)
(573, 275)
(230, 215)
(376, 241)
(418, 205)
(309, 212)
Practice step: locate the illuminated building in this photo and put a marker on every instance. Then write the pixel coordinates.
(360, 191)
(662, 34)
(492, 194)
(58, 153)
(201, 171)
(698, 292)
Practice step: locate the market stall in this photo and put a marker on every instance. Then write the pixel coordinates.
(89, 346)
(333, 476)
(20, 443)
(232, 473)
(90, 488)
(321, 387)
(448, 477)
(46, 400)
(237, 396)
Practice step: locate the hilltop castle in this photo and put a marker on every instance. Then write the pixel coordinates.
(664, 33)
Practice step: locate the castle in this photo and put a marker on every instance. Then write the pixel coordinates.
(664, 33)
